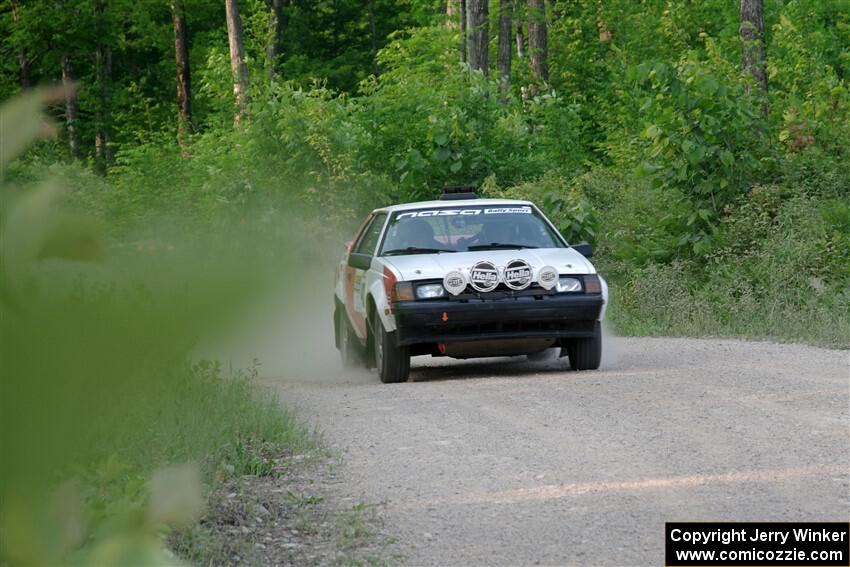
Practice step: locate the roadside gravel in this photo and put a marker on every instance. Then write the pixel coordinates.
(505, 461)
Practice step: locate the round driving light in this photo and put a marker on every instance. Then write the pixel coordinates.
(454, 282)
(547, 277)
(517, 274)
(483, 276)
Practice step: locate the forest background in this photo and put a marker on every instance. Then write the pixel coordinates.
(702, 147)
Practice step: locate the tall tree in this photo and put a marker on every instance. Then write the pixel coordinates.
(70, 106)
(602, 27)
(752, 39)
(277, 23)
(237, 57)
(103, 76)
(374, 31)
(537, 49)
(24, 63)
(184, 82)
(520, 38)
(505, 44)
(478, 20)
(463, 38)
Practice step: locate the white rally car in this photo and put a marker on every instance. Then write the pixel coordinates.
(465, 277)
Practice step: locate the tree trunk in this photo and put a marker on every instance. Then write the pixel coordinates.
(520, 38)
(103, 74)
(184, 82)
(374, 30)
(537, 39)
(477, 18)
(604, 32)
(505, 45)
(462, 15)
(23, 60)
(752, 39)
(237, 58)
(70, 107)
(103, 119)
(277, 23)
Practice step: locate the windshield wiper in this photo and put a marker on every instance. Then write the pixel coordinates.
(415, 250)
(498, 246)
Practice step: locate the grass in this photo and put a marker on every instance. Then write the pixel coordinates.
(666, 301)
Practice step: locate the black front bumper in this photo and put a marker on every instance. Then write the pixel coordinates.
(543, 316)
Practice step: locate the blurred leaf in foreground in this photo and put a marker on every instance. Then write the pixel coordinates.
(94, 380)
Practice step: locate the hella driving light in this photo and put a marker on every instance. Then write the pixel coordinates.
(567, 285)
(454, 282)
(430, 291)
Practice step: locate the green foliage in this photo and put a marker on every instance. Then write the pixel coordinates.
(106, 433)
(645, 141)
(780, 270)
(702, 137)
(564, 203)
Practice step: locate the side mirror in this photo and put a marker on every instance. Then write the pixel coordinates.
(359, 261)
(585, 250)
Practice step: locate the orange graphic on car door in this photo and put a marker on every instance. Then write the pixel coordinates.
(353, 287)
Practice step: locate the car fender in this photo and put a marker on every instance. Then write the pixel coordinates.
(339, 288)
(376, 291)
(604, 285)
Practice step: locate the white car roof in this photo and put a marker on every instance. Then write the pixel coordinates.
(451, 203)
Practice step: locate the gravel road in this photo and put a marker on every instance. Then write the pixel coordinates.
(505, 461)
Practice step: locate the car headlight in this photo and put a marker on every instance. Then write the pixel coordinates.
(567, 285)
(430, 291)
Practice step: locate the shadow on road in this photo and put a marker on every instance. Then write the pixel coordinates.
(427, 369)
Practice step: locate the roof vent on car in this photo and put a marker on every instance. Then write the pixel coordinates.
(458, 192)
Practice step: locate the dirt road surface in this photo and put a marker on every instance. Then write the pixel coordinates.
(504, 461)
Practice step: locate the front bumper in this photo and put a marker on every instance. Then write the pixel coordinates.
(542, 316)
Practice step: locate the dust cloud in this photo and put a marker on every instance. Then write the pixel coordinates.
(288, 333)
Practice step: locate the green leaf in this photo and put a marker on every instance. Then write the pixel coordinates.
(442, 154)
(652, 132)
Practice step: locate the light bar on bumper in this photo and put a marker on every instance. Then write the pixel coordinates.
(429, 290)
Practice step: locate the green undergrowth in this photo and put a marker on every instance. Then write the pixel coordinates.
(112, 432)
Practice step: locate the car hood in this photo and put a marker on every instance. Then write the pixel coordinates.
(435, 266)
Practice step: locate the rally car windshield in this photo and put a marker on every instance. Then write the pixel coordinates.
(462, 229)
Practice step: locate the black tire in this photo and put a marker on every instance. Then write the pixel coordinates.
(347, 343)
(392, 362)
(586, 353)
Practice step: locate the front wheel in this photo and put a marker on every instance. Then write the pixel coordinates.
(586, 353)
(392, 362)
